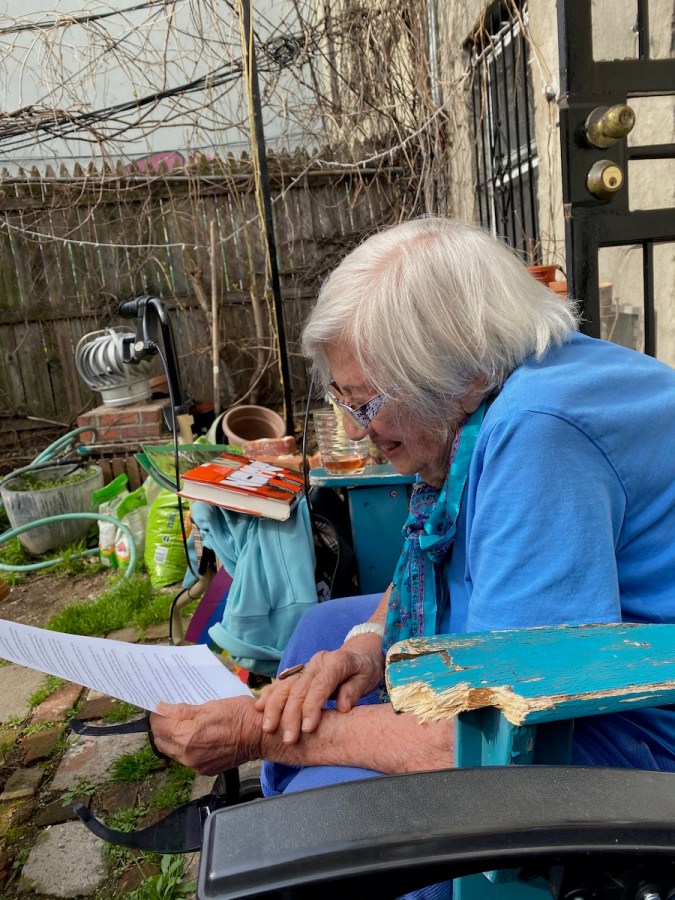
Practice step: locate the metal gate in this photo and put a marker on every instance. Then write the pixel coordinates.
(609, 162)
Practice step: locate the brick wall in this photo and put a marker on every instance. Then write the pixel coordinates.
(124, 424)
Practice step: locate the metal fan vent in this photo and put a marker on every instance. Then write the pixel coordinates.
(99, 362)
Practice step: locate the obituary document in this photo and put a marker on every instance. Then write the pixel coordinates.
(136, 673)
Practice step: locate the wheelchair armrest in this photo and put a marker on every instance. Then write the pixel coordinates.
(382, 837)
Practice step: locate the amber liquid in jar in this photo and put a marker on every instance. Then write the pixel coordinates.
(345, 465)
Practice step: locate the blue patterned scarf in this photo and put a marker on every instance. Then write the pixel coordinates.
(429, 534)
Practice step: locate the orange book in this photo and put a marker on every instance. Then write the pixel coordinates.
(244, 485)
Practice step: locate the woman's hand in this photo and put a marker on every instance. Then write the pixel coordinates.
(296, 703)
(208, 738)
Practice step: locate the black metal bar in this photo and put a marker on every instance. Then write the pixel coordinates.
(528, 134)
(268, 223)
(657, 225)
(508, 169)
(575, 29)
(496, 144)
(643, 28)
(648, 298)
(475, 87)
(582, 270)
(488, 146)
(516, 105)
(630, 77)
(651, 151)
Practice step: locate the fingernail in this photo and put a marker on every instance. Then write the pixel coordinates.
(288, 737)
(306, 724)
(266, 725)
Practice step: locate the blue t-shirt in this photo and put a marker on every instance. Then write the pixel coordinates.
(568, 515)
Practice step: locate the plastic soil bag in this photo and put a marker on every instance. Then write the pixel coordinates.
(165, 557)
(115, 500)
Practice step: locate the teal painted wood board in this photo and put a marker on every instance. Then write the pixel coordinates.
(537, 674)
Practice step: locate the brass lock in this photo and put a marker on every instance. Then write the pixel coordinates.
(604, 179)
(606, 124)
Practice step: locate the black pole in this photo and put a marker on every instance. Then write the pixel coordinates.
(268, 221)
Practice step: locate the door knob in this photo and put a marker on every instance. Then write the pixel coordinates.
(606, 124)
(604, 179)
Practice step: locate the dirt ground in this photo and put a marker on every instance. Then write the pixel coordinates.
(42, 595)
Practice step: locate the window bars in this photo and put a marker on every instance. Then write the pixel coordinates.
(505, 150)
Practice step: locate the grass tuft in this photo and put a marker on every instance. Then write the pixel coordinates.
(52, 683)
(131, 767)
(177, 790)
(127, 602)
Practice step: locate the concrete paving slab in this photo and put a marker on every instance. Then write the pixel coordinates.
(90, 758)
(66, 861)
(17, 686)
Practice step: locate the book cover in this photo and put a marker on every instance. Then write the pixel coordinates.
(244, 485)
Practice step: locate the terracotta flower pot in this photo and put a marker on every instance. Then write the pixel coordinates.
(251, 423)
(558, 287)
(544, 274)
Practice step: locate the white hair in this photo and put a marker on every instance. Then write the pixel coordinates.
(432, 307)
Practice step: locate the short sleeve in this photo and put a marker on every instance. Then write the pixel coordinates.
(544, 512)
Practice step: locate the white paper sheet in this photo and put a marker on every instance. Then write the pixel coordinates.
(141, 674)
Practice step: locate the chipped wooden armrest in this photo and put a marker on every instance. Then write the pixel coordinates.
(516, 695)
(535, 675)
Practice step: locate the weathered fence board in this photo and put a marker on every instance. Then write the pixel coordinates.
(72, 247)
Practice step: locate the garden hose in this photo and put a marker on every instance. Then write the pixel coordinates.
(46, 458)
(32, 567)
(64, 444)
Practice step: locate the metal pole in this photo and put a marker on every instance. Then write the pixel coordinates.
(268, 221)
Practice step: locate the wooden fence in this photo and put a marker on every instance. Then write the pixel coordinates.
(73, 245)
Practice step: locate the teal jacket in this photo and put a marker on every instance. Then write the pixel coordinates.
(272, 569)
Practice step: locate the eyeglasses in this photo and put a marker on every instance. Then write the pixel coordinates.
(362, 415)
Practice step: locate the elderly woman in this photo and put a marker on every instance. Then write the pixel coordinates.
(545, 495)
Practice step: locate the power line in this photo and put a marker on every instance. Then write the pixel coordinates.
(65, 21)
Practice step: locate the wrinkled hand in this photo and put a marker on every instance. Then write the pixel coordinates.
(208, 738)
(295, 704)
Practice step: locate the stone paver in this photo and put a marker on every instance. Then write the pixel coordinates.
(57, 812)
(160, 631)
(40, 745)
(22, 783)
(17, 686)
(96, 708)
(128, 635)
(66, 861)
(53, 707)
(90, 758)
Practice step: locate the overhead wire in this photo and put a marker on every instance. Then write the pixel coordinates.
(65, 20)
